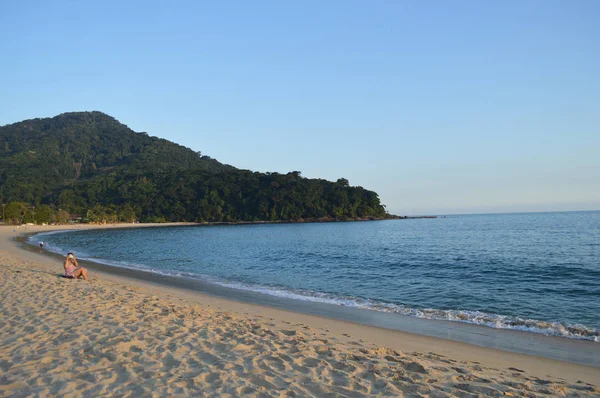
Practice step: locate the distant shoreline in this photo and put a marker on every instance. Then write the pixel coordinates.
(183, 223)
(315, 220)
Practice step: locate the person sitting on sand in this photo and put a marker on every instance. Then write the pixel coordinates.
(72, 269)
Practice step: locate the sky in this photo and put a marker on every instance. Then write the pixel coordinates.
(441, 107)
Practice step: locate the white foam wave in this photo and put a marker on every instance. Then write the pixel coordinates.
(473, 317)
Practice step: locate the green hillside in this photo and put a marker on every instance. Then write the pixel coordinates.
(91, 165)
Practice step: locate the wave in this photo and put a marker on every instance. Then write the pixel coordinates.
(496, 321)
(573, 331)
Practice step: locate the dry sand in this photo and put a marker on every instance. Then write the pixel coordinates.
(117, 336)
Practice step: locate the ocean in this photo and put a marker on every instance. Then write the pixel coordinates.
(533, 272)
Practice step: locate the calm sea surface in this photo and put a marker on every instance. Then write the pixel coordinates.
(537, 272)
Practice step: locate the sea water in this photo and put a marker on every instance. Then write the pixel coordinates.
(536, 272)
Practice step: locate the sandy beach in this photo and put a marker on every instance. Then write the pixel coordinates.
(120, 336)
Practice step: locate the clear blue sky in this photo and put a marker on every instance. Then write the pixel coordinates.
(439, 106)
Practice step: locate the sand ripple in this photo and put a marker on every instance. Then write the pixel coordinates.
(71, 338)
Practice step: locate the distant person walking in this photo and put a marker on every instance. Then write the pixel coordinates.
(72, 268)
(41, 244)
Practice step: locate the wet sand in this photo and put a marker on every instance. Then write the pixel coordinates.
(125, 336)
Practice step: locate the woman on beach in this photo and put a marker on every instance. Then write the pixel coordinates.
(71, 268)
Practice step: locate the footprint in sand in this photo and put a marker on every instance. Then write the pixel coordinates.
(311, 362)
(415, 367)
(275, 362)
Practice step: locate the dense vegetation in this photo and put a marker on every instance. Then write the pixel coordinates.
(87, 164)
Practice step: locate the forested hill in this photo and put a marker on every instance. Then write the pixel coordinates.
(90, 165)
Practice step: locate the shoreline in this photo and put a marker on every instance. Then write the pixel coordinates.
(578, 351)
(343, 336)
